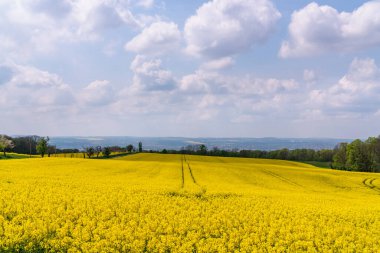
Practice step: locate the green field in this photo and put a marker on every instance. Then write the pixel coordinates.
(16, 156)
(176, 203)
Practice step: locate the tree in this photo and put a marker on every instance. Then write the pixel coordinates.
(358, 156)
(90, 151)
(42, 146)
(5, 143)
(25, 144)
(106, 151)
(202, 149)
(130, 148)
(98, 150)
(340, 157)
(51, 150)
(283, 154)
(374, 148)
(140, 147)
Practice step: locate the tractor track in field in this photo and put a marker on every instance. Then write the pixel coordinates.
(368, 182)
(183, 174)
(191, 174)
(190, 171)
(284, 179)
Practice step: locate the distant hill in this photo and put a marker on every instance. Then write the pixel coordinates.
(176, 143)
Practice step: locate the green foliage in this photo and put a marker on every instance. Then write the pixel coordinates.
(340, 157)
(25, 144)
(202, 149)
(358, 156)
(130, 148)
(98, 150)
(90, 151)
(106, 151)
(140, 147)
(42, 146)
(374, 148)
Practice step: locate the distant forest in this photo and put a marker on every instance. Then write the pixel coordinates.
(355, 156)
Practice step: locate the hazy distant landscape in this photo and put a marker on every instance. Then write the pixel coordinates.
(176, 143)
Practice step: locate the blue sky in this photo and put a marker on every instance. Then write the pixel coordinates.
(221, 68)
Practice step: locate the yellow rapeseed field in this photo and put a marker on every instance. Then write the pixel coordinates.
(175, 203)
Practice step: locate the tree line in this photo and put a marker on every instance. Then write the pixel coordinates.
(37, 145)
(358, 155)
(355, 156)
(324, 155)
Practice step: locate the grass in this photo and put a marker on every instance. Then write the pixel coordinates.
(176, 203)
(16, 156)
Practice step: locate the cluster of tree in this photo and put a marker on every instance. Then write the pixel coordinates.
(355, 156)
(358, 155)
(34, 145)
(26, 145)
(324, 155)
(21, 145)
(66, 150)
(96, 151)
(106, 151)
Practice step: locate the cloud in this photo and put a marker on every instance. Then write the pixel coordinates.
(156, 39)
(145, 3)
(356, 93)
(25, 88)
(222, 28)
(234, 96)
(29, 88)
(203, 82)
(317, 29)
(40, 26)
(97, 93)
(221, 63)
(149, 75)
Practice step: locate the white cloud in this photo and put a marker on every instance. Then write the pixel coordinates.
(29, 88)
(218, 63)
(156, 39)
(203, 82)
(259, 86)
(233, 96)
(223, 28)
(149, 75)
(24, 89)
(97, 93)
(145, 3)
(316, 29)
(40, 26)
(356, 93)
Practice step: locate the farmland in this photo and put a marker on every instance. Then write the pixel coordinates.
(176, 203)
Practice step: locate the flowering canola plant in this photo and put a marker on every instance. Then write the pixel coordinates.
(175, 203)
